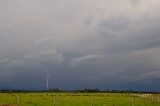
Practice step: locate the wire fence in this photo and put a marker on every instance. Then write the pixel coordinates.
(79, 100)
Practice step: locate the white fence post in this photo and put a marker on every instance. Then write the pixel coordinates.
(54, 101)
(92, 101)
(133, 104)
(17, 100)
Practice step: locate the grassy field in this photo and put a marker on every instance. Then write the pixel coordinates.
(78, 99)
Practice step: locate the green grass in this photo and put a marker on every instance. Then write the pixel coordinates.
(78, 99)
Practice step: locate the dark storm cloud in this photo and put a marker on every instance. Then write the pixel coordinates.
(105, 44)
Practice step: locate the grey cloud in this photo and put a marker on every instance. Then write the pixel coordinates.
(151, 76)
(113, 43)
(84, 58)
(116, 24)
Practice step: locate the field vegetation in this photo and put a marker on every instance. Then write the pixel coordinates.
(79, 99)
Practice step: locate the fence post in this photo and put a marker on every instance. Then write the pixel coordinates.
(133, 104)
(92, 101)
(54, 101)
(17, 100)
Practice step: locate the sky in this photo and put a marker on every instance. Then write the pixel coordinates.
(76, 44)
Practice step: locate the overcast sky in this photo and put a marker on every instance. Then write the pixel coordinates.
(106, 44)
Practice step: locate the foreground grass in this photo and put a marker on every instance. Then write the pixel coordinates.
(78, 99)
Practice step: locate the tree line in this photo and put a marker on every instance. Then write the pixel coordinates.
(86, 90)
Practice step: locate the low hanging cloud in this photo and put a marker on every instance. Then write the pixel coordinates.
(113, 43)
(84, 58)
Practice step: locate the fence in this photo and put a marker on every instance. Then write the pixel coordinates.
(60, 99)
